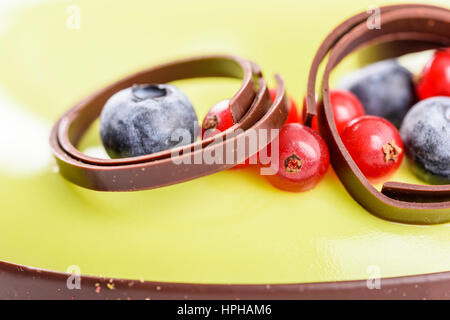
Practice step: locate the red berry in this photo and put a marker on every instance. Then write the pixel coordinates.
(435, 78)
(346, 107)
(293, 115)
(375, 146)
(303, 159)
(217, 119)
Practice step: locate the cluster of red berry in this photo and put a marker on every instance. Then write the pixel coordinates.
(373, 142)
(303, 154)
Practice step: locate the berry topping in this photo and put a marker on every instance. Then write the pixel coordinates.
(217, 119)
(345, 106)
(303, 159)
(435, 78)
(293, 116)
(142, 119)
(385, 89)
(148, 91)
(426, 135)
(375, 146)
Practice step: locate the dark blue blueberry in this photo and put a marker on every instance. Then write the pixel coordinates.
(426, 135)
(385, 89)
(143, 119)
(148, 92)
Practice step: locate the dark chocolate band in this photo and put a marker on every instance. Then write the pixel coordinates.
(414, 26)
(249, 109)
(20, 282)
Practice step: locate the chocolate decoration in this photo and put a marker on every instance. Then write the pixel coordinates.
(249, 110)
(20, 282)
(414, 26)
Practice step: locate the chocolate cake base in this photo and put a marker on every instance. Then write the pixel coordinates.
(21, 282)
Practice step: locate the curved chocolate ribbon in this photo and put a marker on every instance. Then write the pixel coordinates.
(415, 26)
(250, 110)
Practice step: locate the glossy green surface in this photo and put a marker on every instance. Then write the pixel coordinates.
(231, 227)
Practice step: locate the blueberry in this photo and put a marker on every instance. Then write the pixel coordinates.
(385, 89)
(141, 120)
(426, 136)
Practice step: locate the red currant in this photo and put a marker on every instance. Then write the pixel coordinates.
(435, 78)
(346, 107)
(303, 159)
(375, 146)
(217, 119)
(293, 115)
